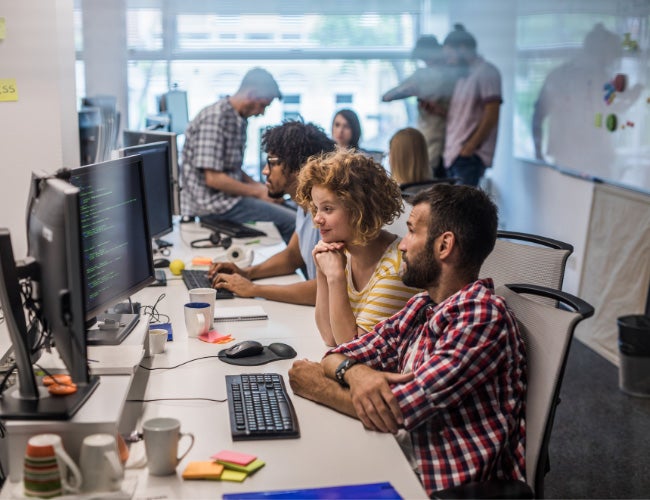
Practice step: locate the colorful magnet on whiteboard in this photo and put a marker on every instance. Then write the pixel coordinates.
(620, 82)
(611, 122)
(598, 120)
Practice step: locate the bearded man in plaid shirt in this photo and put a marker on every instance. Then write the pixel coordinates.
(446, 374)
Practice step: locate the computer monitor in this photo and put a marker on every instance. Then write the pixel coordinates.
(174, 103)
(158, 184)
(115, 242)
(136, 137)
(50, 284)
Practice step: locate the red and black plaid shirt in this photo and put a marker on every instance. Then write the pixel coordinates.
(465, 406)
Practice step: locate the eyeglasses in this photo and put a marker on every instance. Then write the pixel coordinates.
(273, 161)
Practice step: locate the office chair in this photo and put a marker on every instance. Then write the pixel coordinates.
(547, 332)
(527, 258)
(409, 189)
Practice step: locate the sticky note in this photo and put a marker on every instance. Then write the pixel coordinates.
(8, 90)
(233, 475)
(234, 457)
(3, 28)
(203, 470)
(248, 469)
(214, 337)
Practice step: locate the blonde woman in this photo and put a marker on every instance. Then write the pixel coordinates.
(408, 156)
(358, 264)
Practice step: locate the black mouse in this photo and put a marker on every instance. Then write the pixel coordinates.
(283, 350)
(244, 349)
(157, 263)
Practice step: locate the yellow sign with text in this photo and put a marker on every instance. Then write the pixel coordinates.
(8, 90)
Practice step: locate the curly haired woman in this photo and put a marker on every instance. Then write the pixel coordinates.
(358, 282)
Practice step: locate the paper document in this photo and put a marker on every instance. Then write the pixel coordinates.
(243, 313)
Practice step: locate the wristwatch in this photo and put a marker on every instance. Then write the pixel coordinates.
(345, 365)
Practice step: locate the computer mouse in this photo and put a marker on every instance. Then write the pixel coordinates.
(158, 263)
(285, 351)
(244, 349)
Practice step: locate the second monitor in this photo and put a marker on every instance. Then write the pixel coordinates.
(140, 137)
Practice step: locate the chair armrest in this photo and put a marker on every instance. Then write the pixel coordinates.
(494, 488)
(583, 308)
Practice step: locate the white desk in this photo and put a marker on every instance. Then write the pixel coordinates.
(333, 449)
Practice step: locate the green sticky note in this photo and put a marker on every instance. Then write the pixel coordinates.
(248, 469)
(3, 28)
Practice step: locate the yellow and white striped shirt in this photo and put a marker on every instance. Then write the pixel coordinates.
(384, 295)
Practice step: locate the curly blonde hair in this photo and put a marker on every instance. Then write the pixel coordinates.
(370, 195)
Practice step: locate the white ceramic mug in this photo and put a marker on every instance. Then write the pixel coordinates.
(161, 437)
(49, 470)
(197, 318)
(208, 295)
(157, 339)
(100, 463)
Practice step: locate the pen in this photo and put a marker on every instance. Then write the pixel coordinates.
(252, 242)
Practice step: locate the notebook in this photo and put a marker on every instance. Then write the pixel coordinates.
(243, 313)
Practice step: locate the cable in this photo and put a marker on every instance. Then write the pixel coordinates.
(178, 365)
(175, 399)
(156, 316)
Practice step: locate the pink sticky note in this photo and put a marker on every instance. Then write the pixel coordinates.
(212, 336)
(234, 457)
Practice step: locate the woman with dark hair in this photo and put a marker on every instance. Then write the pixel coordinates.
(346, 129)
(358, 281)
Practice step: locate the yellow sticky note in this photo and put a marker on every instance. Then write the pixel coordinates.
(3, 28)
(8, 89)
(233, 475)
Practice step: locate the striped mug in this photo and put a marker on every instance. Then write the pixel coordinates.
(49, 471)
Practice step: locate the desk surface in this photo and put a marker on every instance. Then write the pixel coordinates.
(333, 449)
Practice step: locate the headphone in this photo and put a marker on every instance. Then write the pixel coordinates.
(215, 240)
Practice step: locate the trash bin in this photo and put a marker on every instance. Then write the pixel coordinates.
(634, 348)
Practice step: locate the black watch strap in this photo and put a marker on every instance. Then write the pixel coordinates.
(345, 365)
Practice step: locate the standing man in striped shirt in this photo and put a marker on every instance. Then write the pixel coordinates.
(213, 155)
(447, 374)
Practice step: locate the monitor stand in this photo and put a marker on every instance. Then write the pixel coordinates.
(111, 328)
(47, 406)
(161, 278)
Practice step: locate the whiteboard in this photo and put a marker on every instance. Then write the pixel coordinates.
(582, 89)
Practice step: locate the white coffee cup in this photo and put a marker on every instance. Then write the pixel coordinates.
(100, 463)
(208, 295)
(197, 318)
(157, 340)
(161, 437)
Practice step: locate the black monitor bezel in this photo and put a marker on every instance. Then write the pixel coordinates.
(156, 146)
(135, 137)
(131, 162)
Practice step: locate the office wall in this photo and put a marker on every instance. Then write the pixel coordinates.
(39, 131)
(539, 199)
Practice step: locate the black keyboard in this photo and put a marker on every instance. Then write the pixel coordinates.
(197, 278)
(260, 407)
(230, 228)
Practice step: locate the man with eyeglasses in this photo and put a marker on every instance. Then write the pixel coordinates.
(288, 147)
(213, 154)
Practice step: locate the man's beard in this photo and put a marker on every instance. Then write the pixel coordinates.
(423, 272)
(276, 195)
